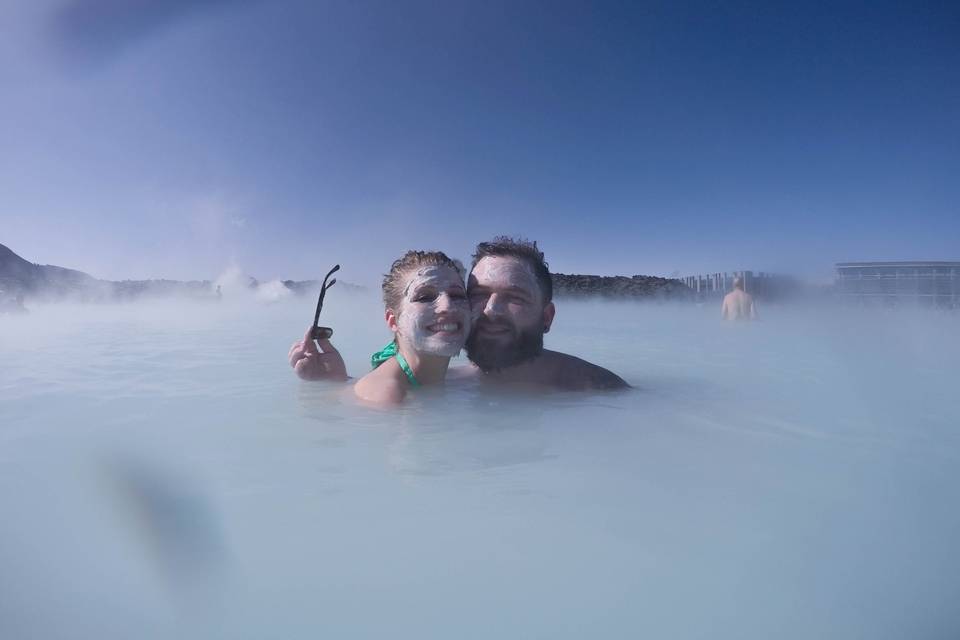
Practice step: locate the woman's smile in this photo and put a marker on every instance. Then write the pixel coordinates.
(446, 328)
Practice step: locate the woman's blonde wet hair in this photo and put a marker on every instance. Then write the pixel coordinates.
(394, 282)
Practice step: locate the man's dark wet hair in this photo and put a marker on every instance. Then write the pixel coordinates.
(505, 246)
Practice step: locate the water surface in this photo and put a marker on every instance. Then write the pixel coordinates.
(163, 474)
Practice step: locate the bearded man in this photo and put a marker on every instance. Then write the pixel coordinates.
(511, 296)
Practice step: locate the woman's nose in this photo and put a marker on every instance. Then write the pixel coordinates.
(444, 301)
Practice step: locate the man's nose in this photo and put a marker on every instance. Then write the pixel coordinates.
(495, 306)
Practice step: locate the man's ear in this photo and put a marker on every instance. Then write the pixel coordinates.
(548, 312)
(391, 319)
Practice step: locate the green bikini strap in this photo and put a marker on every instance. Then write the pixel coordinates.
(391, 351)
(383, 355)
(407, 370)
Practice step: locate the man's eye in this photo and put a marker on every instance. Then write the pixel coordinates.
(426, 297)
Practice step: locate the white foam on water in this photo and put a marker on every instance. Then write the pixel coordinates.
(164, 474)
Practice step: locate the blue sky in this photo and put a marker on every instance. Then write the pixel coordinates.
(172, 139)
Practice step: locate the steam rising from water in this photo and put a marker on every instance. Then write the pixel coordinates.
(164, 470)
(233, 282)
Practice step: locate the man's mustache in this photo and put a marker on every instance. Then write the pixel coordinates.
(492, 324)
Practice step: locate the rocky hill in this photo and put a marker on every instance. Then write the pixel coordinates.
(19, 277)
(35, 282)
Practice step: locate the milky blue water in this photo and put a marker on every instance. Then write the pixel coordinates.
(164, 475)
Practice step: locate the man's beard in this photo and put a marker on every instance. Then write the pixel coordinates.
(494, 355)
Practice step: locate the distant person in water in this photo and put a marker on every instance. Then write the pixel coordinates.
(738, 304)
(511, 298)
(426, 308)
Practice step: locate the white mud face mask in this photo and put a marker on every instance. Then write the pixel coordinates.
(434, 316)
(505, 272)
(508, 316)
(516, 285)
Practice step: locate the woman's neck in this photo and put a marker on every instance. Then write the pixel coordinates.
(428, 369)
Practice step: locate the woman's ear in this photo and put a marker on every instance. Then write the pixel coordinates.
(391, 319)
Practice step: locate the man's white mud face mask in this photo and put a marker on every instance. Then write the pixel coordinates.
(434, 315)
(508, 313)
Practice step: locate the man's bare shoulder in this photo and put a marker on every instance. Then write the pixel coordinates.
(572, 373)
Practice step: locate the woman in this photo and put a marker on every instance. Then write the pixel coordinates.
(427, 310)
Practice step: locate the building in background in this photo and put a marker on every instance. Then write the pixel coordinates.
(924, 284)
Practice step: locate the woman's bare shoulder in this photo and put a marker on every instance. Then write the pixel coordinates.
(382, 385)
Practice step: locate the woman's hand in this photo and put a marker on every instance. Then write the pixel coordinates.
(316, 360)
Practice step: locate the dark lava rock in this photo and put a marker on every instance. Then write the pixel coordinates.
(620, 287)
